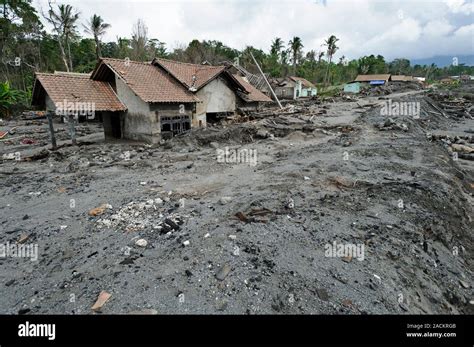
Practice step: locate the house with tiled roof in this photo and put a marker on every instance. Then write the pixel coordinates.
(147, 101)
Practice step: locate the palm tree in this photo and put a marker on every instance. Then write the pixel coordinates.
(331, 50)
(97, 28)
(64, 24)
(295, 46)
(277, 46)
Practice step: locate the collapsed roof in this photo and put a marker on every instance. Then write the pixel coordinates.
(304, 82)
(253, 93)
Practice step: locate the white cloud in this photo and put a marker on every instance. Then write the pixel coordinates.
(460, 6)
(425, 27)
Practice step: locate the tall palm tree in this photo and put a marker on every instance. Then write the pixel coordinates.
(295, 46)
(64, 23)
(331, 50)
(277, 46)
(97, 28)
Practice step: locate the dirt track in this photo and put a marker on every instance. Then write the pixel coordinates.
(396, 192)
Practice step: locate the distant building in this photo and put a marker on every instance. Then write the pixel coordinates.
(378, 79)
(353, 87)
(420, 79)
(293, 87)
(401, 78)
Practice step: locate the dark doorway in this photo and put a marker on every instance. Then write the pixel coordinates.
(115, 125)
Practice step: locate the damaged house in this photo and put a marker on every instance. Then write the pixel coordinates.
(293, 87)
(148, 101)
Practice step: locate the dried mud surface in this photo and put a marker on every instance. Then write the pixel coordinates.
(344, 174)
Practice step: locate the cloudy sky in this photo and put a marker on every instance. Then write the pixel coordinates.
(398, 28)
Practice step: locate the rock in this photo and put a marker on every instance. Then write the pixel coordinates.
(233, 237)
(225, 200)
(262, 133)
(214, 145)
(403, 306)
(207, 235)
(223, 272)
(322, 294)
(24, 310)
(158, 201)
(144, 183)
(186, 243)
(101, 300)
(10, 282)
(306, 178)
(141, 243)
(389, 122)
(464, 284)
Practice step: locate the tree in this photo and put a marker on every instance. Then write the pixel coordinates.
(64, 24)
(331, 50)
(139, 40)
(296, 46)
(97, 28)
(20, 37)
(277, 46)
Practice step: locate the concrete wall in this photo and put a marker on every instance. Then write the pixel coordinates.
(49, 104)
(305, 92)
(216, 97)
(139, 123)
(285, 92)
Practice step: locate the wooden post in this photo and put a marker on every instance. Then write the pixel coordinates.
(72, 129)
(265, 78)
(49, 115)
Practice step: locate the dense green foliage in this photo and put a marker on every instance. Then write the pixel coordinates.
(26, 47)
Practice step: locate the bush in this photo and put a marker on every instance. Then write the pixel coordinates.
(9, 98)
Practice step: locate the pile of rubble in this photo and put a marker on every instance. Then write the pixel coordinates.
(459, 146)
(390, 124)
(150, 214)
(452, 107)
